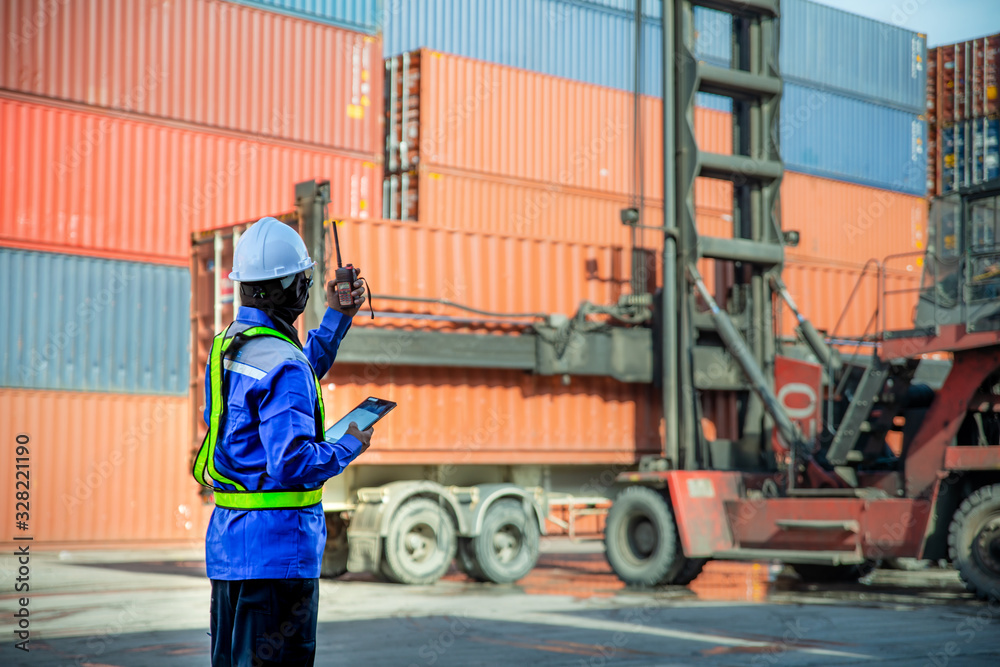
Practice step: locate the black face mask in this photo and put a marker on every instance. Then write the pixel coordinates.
(282, 304)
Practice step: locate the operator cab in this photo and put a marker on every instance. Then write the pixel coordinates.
(961, 277)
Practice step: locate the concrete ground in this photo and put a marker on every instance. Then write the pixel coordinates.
(150, 608)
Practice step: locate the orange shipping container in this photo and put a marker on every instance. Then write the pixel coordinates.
(87, 182)
(217, 64)
(842, 222)
(105, 469)
(511, 207)
(446, 111)
(507, 417)
(822, 291)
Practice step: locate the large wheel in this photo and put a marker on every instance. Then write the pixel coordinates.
(974, 542)
(420, 545)
(640, 538)
(467, 559)
(507, 546)
(689, 571)
(335, 552)
(810, 572)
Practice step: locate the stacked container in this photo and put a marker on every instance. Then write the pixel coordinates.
(126, 126)
(964, 112)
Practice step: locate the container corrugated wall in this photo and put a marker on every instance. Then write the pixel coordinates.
(208, 62)
(85, 324)
(106, 470)
(576, 40)
(846, 223)
(360, 15)
(822, 291)
(94, 183)
(835, 136)
(843, 52)
(482, 117)
(507, 416)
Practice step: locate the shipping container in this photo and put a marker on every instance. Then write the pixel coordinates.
(361, 15)
(512, 207)
(970, 153)
(86, 182)
(208, 62)
(454, 112)
(932, 85)
(106, 471)
(592, 42)
(508, 417)
(823, 291)
(847, 54)
(833, 136)
(846, 223)
(969, 79)
(84, 324)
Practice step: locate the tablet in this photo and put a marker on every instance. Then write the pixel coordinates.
(365, 415)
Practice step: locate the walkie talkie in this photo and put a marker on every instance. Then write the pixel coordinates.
(345, 276)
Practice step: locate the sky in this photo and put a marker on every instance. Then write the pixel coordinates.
(943, 21)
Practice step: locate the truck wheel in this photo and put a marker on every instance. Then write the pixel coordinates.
(974, 542)
(689, 571)
(421, 543)
(467, 560)
(335, 554)
(810, 572)
(507, 547)
(640, 538)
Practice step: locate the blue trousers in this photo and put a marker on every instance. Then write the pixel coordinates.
(264, 622)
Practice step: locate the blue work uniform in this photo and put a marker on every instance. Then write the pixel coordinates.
(268, 442)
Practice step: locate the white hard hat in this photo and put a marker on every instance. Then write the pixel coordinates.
(269, 249)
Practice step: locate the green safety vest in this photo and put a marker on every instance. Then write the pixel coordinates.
(204, 470)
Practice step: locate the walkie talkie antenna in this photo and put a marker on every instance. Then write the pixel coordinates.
(336, 238)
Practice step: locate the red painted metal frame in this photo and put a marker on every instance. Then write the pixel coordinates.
(925, 458)
(698, 500)
(972, 458)
(951, 338)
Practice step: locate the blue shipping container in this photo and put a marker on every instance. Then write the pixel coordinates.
(970, 153)
(843, 138)
(359, 15)
(829, 48)
(586, 41)
(85, 324)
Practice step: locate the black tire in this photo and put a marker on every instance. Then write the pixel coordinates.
(334, 562)
(809, 572)
(507, 547)
(420, 545)
(974, 542)
(640, 538)
(466, 560)
(689, 571)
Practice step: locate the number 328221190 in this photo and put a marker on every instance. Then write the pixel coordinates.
(22, 481)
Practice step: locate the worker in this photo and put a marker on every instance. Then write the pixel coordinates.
(265, 456)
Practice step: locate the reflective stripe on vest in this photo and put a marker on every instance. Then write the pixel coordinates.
(204, 469)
